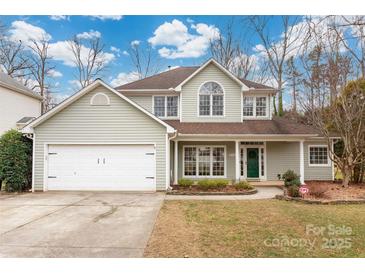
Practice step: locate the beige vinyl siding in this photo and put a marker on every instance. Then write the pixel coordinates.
(117, 123)
(282, 156)
(230, 156)
(232, 96)
(143, 101)
(315, 172)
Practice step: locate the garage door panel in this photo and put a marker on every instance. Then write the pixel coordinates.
(101, 167)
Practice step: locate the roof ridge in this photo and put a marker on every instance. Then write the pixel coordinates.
(163, 72)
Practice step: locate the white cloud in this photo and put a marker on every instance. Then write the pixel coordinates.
(21, 30)
(89, 35)
(61, 51)
(54, 73)
(107, 17)
(125, 53)
(59, 17)
(135, 43)
(124, 78)
(114, 49)
(189, 20)
(178, 42)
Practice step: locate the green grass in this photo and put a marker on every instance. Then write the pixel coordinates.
(248, 228)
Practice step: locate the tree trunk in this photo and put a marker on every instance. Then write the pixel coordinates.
(346, 173)
(274, 105)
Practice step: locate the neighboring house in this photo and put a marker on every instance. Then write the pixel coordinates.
(189, 122)
(18, 104)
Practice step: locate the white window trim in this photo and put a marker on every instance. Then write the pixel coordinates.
(254, 116)
(319, 165)
(211, 162)
(165, 117)
(211, 101)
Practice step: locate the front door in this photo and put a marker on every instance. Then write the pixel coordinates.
(252, 162)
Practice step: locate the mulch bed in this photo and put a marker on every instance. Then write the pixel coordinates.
(335, 191)
(330, 193)
(194, 190)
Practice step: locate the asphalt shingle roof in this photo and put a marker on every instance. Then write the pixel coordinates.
(172, 78)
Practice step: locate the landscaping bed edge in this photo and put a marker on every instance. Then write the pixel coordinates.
(319, 202)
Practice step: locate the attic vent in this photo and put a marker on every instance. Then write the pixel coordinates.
(100, 99)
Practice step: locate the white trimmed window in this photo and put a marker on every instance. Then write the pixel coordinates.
(318, 155)
(204, 161)
(211, 99)
(165, 106)
(255, 106)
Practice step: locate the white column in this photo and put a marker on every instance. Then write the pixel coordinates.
(176, 161)
(301, 155)
(237, 156)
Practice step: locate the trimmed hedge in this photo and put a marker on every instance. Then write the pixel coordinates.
(185, 182)
(15, 161)
(243, 185)
(207, 184)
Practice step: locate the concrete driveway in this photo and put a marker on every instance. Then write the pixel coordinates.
(77, 224)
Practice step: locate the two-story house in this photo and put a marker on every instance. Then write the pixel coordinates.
(189, 122)
(18, 104)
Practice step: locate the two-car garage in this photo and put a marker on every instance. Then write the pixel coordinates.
(124, 167)
(98, 139)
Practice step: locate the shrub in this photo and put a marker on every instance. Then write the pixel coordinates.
(243, 185)
(293, 191)
(207, 184)
(291, 178)
(317, 190)
(15, 161)
(290, 175)
(295, 182)
(185, 182)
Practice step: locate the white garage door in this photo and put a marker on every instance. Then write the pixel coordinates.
(101, 167)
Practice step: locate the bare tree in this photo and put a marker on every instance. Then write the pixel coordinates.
(293, 75)
(336, 62)
(40, 70)
(144, 59)
(89, 59)
(277, 51)
(351, 31)
(13, 60)
(345, 119)
(231, 52)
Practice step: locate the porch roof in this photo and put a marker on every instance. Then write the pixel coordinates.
(276, 126)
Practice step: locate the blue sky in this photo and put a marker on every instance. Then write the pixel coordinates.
(118, 32)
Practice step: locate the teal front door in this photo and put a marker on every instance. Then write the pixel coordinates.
(252, 162)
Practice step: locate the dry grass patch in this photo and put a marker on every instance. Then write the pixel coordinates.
(240, 229)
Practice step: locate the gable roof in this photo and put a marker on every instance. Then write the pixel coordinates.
(277, 126)
(77, 95)
(175, 78)
(14, 85)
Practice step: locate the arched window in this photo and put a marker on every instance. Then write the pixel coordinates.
(211, 99)
(100, 99)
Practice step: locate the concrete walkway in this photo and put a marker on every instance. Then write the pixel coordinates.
(263, 193)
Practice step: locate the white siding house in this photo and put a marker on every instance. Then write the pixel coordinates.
(17, 104)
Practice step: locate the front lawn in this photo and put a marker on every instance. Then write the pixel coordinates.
(265, 228)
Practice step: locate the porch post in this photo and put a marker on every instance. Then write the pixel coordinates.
(237, 156)
(176, 160)
(301, 155)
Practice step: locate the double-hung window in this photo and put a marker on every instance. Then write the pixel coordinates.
(204, 161)
(255, 106)
(318, 155)
(165, 106)
(211, 99)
